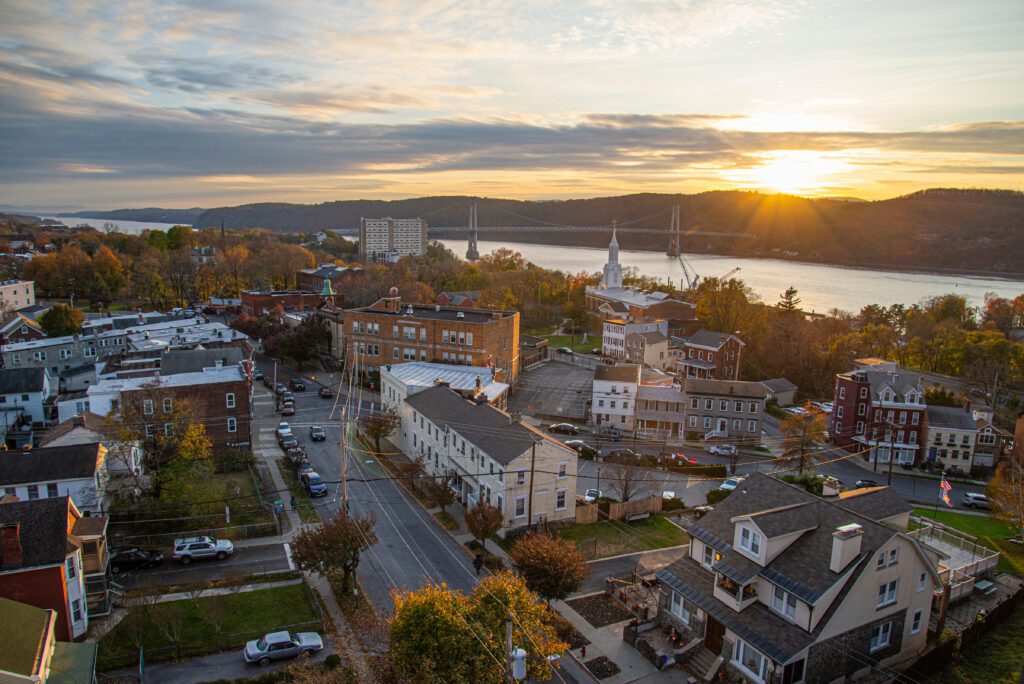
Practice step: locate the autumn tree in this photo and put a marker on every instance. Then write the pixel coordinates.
(380, 425)
(1006, 491)
(723, 305)
(940, 396)
(335, 547)
(801, 434)
(62, 320)
(483, 520)
(550, 566)
(440, 490)
(194, 445)
(624, 477)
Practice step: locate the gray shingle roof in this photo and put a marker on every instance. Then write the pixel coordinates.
(876, 503)
(900, 381)
(21, 380)
(49, 464)
(627, 372)
(44, 529)
(195, 360)
(779, 385)
(784, 520)
(707, 338)
(484, 425)
(951, 417)
(726, 388)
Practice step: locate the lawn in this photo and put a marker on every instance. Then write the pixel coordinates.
(996, 659)
(306, 509)
(612, 538)
(989, 532)
(556, 341)
(240, 618)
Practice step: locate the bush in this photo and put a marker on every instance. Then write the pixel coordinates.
(812, 482)
(493, 563)
(332, 662)
(672, 505)
(716, 496)
(710, 470)
(233, 460)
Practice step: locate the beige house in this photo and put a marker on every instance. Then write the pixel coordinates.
(491, 456)
(785, 587)
(649, 349)
(952, 436)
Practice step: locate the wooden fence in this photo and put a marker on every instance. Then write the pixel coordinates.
(589, 513)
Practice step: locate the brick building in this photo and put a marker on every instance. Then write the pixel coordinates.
(465, 299)
(709, 355)
(725, 409)
(874, 399)
(312, 279)
(18, 327)
(389, 332)
(256, 303)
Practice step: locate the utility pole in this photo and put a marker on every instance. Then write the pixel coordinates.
(508, 651)
(529, 501)
(891, 456)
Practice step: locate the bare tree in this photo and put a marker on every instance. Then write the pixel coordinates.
(171, 621)
(216, 613)
(626, 480)
(194, 594)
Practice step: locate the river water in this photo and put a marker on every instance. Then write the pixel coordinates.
(820, 287)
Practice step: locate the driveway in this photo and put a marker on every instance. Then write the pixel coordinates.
(246, 560)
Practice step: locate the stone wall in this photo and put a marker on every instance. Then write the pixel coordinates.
(851, 651)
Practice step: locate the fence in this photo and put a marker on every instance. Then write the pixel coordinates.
(166, 539)
(589, 513)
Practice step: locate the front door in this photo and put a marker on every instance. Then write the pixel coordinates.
(723, 425)
(713, 635)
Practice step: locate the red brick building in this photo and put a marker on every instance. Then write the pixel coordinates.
(256, 303)
(464, 300)
(390, 332)
(312, 279)
(20, 328)
(879, 407)
(708, 355)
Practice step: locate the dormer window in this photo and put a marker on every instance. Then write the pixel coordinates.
(887, 395)
(750, 541)
(711, 557)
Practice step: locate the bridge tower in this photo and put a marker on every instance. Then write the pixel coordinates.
(675, 239)
(473, 253)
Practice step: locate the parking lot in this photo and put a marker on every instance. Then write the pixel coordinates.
(553, 390)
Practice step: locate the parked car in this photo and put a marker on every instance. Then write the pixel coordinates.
(280, 389)
(827, 406)
(317, 433)
(592, 495)
(268, 382)
(796, 410)
(564, 350)
(582, 448)
(281, 645)
(313, 484)
(860, 484)
(326, 392)
(287, 397)
(731, 484)
(283, 428)
(681, 457)
(257, 374)
(304, 467)
(608, 433)
(972, 500)
(193, 548)
(595, 351)
(288, 408)
(288, 442)
(134, 558)
(297, 385)
(564, 428)
(723, 450)
(624, 454)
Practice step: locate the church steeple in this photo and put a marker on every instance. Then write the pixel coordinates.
(612, 278)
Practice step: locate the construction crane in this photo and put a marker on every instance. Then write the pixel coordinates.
(690, 277)
(729, 274)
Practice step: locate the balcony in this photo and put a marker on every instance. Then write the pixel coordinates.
(964, 559)
(733, 594)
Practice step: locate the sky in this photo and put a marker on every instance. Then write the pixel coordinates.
(221, 102)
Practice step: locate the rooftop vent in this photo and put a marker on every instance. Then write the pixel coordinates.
(460, 314)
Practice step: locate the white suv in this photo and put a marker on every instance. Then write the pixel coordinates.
(190, 548)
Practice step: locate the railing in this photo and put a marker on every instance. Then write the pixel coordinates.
(987, 559)
(714, 434)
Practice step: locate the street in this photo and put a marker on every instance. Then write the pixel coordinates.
(246, 560)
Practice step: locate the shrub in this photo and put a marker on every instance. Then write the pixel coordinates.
(710, 470)
(232, 460)
(716, 496)
(812, 482)
(493, 563)
(673, 505)
(332, 662)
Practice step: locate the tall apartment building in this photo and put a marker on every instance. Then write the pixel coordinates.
(390, 332)
(16, 294)
(387, 239)
(873, 401)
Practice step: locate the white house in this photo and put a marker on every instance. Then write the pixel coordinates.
(123, 459)
(26, 390)
(491, 457)
(616, 330)
(77, 471)
(614, 395)
(399, 381)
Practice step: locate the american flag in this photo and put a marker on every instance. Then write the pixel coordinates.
(944, 489)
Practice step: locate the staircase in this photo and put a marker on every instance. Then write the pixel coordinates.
(704, 664)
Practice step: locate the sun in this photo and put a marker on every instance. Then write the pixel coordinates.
(797, 172)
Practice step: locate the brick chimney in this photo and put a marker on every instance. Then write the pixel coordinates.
(10, 537)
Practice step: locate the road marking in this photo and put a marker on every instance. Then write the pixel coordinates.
(288, 555)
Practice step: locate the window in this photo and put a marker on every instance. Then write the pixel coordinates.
(521, 477)
(894, 556)
(69, 565)
(783, 602)
(147, 407)
(711, 557)
(842, 392)
(560, 500)
(33, 492)
(922, 581)
(39, 356)
(748, 658)
(752, 407)
(737, 406)
(708, 403)
(751, 426)
(76, 610)
(168, 404)
(16, 359)
(232, 425)
(839, 411)
(520, 507)
(881, 635)
(862, 409)
(750, 540)
(51, 490)
(89, 351)
(737, 424)
(563, 470)
(887, 593)
(915, 624)
(723, 405)
(693, 421)
(65, 354)
(860, 427)
(149, 430)
(600, 403)
(678, 608)
(707, 422)
(880, 561)
(169, 429)
(229, 399)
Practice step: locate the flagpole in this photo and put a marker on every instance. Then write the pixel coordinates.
(935, 512)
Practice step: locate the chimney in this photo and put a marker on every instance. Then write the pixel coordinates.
(219, 363)
(515, 418)
(846, 542)
(13, 556)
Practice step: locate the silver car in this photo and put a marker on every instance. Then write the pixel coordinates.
(281, 645)
(191, 548)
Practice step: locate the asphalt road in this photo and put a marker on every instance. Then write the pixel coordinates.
(245, 560)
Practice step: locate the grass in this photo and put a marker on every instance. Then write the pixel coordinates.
(446, 520)
(231, 580)
(995, 659)
(245, 616)
(612, 538)
(306, 509)
(989, 532)
(556, 341)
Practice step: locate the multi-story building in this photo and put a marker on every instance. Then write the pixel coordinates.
(491, 456)
(648, 349)
(616, 330)
(388, 239)
(951, 437)
(725, 409)
(53, 557)
(878, 409)
(707, 354)
(28, 391)
(16, 294)
(18, 327)
(218, 396)
(398, 382)
(256, 303)
(993, 442)
(614, 396)
(122, 458)
(390, 332)
(312, 279)
(782, 586)
(660, 411)
(32, 654)
(78, 471)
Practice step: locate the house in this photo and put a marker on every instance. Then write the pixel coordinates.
(491, 456)
(874, 400)
(532, 350)
(52, 557)
(660, 411)
(992, 444)
(401, 381)
(951, 436)
(648, 349)
(613, 396)
(32, 654)
(123, 459)
(707, 354)
(465, 299)
(781, 586)
(15, 294)
(721, 409)
(256, 303)
(18, 327)
(781, 391)
(27, 390)
(77, 471)
(392, 332)
(616, 330)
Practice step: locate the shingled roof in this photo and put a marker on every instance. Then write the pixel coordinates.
(50, 464)
(43, 531)
(21, 380)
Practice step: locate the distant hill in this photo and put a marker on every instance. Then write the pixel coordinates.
(936, 230)
(148, 215)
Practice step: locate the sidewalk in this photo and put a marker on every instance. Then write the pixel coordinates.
(218, 591)
(607, 641)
